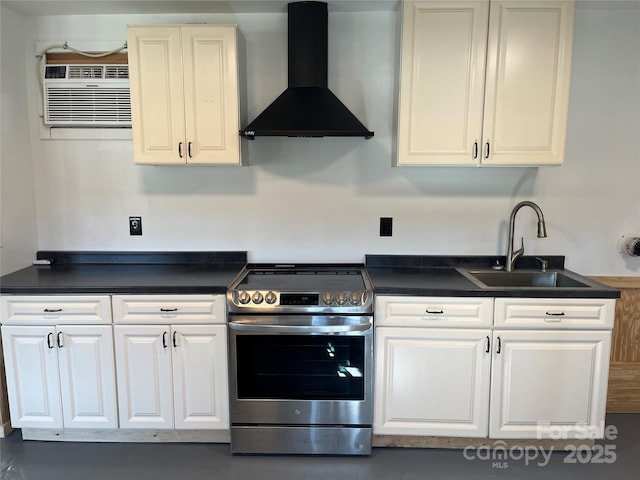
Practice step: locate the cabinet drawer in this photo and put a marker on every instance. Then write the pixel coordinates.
(155, 309)
(558, 313)
(434, 311)
(54, 309)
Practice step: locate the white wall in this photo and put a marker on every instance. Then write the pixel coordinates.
(18, 229)
(321, 199)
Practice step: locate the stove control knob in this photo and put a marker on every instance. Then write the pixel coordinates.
(341, 298)
(244, 298)
(257, 298)
(327, 298)
(270, 298)
(354, 298)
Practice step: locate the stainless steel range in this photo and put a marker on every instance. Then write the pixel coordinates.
(301, 355)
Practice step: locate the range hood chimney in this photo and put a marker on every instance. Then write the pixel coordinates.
(307, 108)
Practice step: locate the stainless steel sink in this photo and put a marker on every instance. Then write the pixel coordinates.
(524, 279)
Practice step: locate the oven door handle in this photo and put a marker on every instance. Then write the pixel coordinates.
(299, 329)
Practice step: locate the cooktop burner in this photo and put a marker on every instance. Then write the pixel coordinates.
(301, 289)
(301, 280)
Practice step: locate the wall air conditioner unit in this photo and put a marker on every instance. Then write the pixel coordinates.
(87, 96)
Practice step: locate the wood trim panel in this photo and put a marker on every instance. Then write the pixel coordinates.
(5, 428)
(624, 388)
(464, 442)
(76, 58)
(619, 282)
(128, 435)
(626, 331)
(624, 371)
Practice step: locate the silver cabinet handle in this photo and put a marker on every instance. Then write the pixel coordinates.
(52, 310)
(189, 150)
(50, 340)
(499, 349)
(165, 310)
(60, 345)
(435, 312)
(175, 344)
(164, 339)
(486, 155)
(180, 149)
(488, 344)
(475, 150)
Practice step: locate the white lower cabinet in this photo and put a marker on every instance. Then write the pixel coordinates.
(200, 377)
(170, 375)
(145, 391)
(549, 384)
(542, 374)
(60, 376)
(429, 379)
(432, 381)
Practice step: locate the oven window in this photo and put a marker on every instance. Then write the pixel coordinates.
(306, 367)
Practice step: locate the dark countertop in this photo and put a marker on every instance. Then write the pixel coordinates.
(127, 273)
(439, 276)
(213, 272)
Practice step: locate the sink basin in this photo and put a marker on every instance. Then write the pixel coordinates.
(525, 279)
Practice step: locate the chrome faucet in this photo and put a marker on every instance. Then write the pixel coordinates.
(542, 232)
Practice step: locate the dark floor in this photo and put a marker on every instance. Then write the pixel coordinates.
(612, 459)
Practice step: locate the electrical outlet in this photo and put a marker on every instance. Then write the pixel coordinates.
(386, 226)
(135, 225)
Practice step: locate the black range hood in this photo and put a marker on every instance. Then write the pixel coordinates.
(307, 108)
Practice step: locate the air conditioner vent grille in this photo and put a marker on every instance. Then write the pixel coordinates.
(88, 96)
(86, 71)
(88, 105)
(117, 71)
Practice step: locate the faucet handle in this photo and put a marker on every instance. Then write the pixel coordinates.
(544, 264)
(520, 251)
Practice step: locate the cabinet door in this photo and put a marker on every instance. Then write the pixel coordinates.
(200, 378)
(442, 82)
(528, 73)
(143, 366)
(87, 376)
(431, 382)
(547, 383)
(31, 363)
(157, 95)
(211, 95)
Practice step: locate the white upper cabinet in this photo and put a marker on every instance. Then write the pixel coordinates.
(442, 82)
(184, 94)
(527, 89)
(484, 82)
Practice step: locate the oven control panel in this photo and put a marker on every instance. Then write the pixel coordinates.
(269, 299)
(301, 289)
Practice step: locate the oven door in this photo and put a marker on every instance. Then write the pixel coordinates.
(301, 370)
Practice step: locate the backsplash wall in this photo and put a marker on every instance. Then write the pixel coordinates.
(321, 199)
